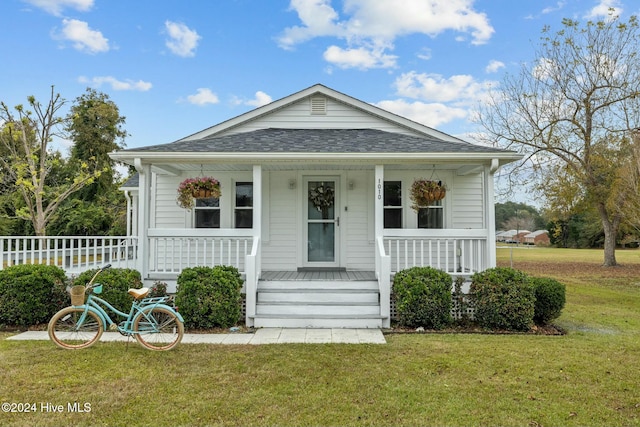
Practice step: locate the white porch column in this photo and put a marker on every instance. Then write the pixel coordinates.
(490, 212)
(257, 209)
(142, 263)
(379, 201)
(253, 265)
(382, 261)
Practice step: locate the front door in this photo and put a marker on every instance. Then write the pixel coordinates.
(322, 222)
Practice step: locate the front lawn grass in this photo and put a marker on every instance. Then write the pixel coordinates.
(587, 377)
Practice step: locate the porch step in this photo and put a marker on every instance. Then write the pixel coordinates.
(356, 322)
(318, 304)
(370, 285)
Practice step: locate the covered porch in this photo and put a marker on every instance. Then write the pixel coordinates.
(363, 250)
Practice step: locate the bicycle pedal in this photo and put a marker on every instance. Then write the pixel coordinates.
(113, 327)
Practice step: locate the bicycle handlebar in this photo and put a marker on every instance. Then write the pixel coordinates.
(90, 285)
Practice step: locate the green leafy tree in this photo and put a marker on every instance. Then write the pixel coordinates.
(96, 128)
(28, 160)
(574, 107)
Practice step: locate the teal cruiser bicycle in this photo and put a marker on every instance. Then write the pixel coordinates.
(153, 322)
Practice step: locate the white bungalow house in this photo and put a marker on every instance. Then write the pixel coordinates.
(315, 207)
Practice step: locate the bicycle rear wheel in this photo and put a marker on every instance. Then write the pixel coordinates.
(66, 331)
(158, 329)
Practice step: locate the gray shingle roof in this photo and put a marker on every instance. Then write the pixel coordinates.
(133, 181)
(318, 141)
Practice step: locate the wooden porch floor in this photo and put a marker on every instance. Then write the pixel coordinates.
(318, 275)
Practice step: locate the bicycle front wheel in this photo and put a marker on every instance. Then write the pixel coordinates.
(69, 329)
(158, 329)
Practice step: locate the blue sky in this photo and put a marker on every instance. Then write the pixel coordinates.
(175, 67)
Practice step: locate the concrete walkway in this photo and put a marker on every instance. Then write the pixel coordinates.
(260, 336)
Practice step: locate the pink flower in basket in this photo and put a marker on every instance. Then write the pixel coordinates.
(197, 188)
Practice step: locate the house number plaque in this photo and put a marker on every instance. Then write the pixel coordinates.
(379, 189)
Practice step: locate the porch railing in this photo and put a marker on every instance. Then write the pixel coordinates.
(171, 251)
(251, 281)
(455, 251)
(71, 253)
(383, 273)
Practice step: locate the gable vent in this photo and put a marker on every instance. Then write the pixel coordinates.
(318, 105)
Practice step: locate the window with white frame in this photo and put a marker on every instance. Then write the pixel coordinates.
(393, 204)
(243, 215)
(431, 216)
(207, 213)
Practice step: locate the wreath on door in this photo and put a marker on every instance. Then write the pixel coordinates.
(322, 198)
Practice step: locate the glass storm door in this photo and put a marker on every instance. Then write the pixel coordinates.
(322, 222)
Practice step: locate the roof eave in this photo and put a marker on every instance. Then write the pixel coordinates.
(420, 157)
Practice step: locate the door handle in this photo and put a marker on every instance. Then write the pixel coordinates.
(338, 221)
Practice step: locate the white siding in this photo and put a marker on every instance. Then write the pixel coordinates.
(163, 201)
(359, 247)
(280, 251)
(169, 215)
(339, 116)
(467, 203)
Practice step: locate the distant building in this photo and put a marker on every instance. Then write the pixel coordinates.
(537, 238)
(512, 236)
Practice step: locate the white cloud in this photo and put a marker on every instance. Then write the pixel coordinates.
(318, 19)
(425, 53)
(361, 57)
(55, 7)
(370, 25)
(116, 84)
(83, 38)
(555, 8)
(260, 99)
(386, 20)
(602, 9)
(436, 99)
(429, 114)
(460, 88)
(182, 41)
(203, 97)
(494, 66)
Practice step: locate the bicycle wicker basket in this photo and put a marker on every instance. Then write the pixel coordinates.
(77, 295)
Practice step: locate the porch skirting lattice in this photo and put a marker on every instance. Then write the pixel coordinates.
(456, 310)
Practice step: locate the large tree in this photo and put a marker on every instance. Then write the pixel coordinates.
(96, 128)
(29, 161)
(573, 108)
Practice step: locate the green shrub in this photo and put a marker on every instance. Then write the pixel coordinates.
(115, 285)
(550, 299)
(423, 297)
(503, 298)
(31, 294)
(209, 297)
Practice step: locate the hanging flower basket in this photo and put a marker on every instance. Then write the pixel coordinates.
(424, 192)
(197, 188)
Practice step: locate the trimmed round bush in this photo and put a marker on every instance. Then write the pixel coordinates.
(209, 297)
(115, 285)
(31, 294)
(503, 298)
(423, 297)
(550, 299)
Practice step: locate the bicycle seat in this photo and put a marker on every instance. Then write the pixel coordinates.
(138, 293)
